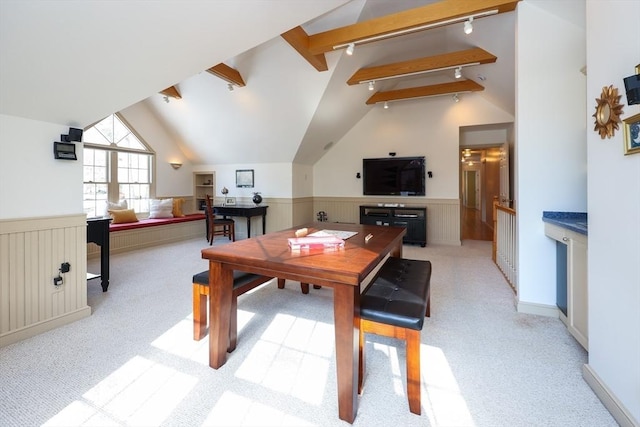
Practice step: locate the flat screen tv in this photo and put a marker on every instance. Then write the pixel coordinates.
(393, 176)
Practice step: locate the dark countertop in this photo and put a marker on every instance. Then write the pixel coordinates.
(574, 221)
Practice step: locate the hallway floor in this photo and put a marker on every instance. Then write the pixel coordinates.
(472, 226)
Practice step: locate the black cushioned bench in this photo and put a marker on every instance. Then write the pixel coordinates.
(394, 305)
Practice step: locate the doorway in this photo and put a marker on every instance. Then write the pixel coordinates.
(479, 184)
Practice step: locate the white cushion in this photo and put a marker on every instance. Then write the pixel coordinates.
(109, 206)
(161, 208)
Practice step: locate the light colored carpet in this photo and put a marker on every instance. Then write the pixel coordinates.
(134, 363)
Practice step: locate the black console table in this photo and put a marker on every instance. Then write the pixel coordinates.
(413, 219)
(98, 233)
(247, 211)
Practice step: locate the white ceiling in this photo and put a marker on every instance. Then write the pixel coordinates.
(75, 62)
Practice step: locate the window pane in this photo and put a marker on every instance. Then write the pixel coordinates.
(133, 170)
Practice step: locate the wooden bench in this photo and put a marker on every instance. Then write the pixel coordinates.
(394, 305)
(242, 282)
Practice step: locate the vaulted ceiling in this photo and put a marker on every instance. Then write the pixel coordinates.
(301, 95)
(75, 65)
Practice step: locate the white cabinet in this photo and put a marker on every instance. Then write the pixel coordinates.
(203, 184)
(575, 274)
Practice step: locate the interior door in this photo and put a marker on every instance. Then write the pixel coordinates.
(504, 198)
(471, 189)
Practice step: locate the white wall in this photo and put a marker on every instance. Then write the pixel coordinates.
(169, 182)
(33, 183)
(483, 137)
(424, 127)
(302, 185)
(270, 179)
(613, 41)
(550, 149)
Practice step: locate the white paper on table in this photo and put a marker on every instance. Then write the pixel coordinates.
(344, 235)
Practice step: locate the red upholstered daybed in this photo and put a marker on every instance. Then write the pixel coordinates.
(152, 222)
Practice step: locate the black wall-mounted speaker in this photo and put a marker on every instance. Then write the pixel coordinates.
(75, 134)
(632, 86)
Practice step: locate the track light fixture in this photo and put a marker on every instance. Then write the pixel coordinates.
(371, 85)
(386, 105)
(456, 98)
(350, 48)
(230, 87)
(468, 25)
(419, 28)
(458, 73)
(166, 99)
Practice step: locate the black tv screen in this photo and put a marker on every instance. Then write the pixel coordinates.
(393, 176)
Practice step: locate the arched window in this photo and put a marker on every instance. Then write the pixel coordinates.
(117, 165)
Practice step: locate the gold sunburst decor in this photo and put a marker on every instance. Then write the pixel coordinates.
(608, 111)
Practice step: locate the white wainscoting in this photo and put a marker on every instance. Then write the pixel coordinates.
(443, 215)
(31, 252)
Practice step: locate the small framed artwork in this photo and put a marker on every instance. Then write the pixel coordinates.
(230, 201)
(632, 135)
(244, 178)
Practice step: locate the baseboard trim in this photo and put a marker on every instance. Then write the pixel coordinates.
(610, 401)
(539, 309)
(44, 326)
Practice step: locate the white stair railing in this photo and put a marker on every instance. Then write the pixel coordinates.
(504, 242)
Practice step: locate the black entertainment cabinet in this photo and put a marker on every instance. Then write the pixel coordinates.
(414, 219)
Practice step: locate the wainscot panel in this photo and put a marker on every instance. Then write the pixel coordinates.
(31, 253)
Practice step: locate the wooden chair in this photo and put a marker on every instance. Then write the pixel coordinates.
(218, 226)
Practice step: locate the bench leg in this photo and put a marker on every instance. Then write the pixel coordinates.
(304, 287)
(233, 324)
(413, 370)
(361, 360)
(280, 283)
(199, 312)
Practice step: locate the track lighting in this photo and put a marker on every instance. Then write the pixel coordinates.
(468, 25)
(456, 98)
(371, 85)
(458, 73)
(230, 87)
(350, 48)
(166, 99)
(413, 29)
(386, 105)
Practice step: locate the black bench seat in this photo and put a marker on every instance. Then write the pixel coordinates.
(395, 304)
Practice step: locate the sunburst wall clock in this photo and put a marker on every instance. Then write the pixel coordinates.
(608, 111)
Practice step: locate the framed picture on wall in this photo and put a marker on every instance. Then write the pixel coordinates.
(230, 201)
(632, 134)
(244, 178)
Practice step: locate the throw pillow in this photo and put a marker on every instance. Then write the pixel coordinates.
(161, 208)
(121, 216)
(177, 208)
(122, 204)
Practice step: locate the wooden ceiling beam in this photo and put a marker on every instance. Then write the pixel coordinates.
(408, 20)
(228, 74)
(422, 65)
(172, 92)
(299, 40)
(424, 91)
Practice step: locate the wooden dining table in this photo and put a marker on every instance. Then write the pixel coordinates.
(343, 269)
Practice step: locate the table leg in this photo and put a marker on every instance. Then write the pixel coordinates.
(248, 227)
(220, 293)
(264, 223)
(346, 312)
